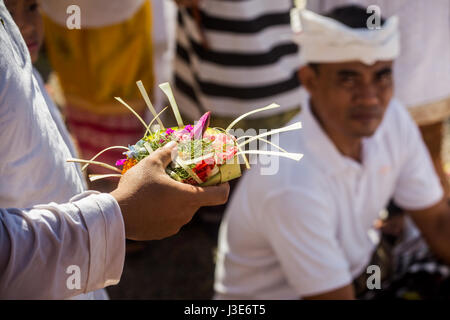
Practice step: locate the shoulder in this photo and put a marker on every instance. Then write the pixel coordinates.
(397, 117)
(398, 127)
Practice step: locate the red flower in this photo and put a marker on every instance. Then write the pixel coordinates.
(203, 169)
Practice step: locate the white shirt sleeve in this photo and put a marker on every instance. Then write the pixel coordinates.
(299, 226)
(44, 249)
(418, 186)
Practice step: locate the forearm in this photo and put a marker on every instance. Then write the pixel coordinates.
(439, 241)
(434, 224)
(58, 251)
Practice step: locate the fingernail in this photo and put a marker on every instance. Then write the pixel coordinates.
(170, 144)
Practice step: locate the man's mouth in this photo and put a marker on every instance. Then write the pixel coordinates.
(366, 114)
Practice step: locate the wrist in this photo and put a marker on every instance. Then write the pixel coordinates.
(120, 198)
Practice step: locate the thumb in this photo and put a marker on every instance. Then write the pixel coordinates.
(166, 154)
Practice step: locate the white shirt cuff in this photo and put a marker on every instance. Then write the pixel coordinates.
(106, 238)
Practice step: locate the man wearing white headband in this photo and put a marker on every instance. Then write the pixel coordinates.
(421, 72)
(308, 231)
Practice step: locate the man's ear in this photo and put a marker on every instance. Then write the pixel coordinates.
(308, 78)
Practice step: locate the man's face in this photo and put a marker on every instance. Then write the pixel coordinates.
(27, 17)
(350, 97)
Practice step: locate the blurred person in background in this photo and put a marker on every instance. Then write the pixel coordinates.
(309, 230)
(233, 57)
(421, 72)
(103, 59)
(422, 84)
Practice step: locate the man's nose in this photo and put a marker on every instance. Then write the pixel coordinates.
(367, 95)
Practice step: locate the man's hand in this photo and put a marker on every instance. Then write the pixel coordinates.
(155, 206)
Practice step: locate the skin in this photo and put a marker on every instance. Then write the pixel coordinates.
(349, 101)
(27, 17)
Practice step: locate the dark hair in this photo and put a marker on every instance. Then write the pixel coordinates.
(353, 16)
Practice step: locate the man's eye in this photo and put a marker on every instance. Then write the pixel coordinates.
(347, 81)
(385, 78)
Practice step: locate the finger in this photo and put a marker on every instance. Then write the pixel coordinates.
(198, 197)
(212, 196)
(165, 154)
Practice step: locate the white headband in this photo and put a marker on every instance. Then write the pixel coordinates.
(323, 39)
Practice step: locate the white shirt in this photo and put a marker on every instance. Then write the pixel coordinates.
(38, 244)
(422, 71)
(308, 229)
(68, 187)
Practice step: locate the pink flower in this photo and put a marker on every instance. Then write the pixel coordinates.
(120, 162)
(210, 137)
(222, 141)
(229, 154)
(185, 137)
(187, 130)
(201, 125)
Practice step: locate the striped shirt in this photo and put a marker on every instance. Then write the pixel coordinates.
(249, 60)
